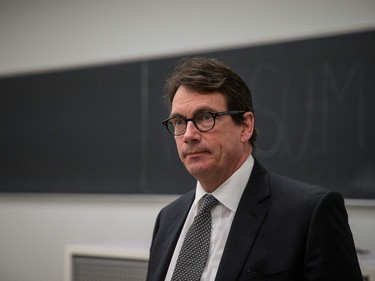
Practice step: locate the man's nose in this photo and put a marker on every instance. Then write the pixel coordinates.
(191, 133)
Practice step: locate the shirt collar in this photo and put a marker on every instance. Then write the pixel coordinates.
(230, 192)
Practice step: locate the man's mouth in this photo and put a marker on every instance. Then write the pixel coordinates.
(195, 153)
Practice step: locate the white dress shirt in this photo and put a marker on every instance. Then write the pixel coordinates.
(229, 195)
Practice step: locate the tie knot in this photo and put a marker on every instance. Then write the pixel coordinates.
(209, 201)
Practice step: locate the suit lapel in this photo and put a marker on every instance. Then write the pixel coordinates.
(246, 224)
(169, 237)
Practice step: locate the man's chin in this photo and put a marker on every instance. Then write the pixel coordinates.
(197, 169)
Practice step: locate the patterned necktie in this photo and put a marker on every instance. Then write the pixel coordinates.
(194, 250)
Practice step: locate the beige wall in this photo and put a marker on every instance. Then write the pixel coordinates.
(44, 34)
(40, 35)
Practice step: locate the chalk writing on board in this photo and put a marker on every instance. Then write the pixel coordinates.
(320, 97)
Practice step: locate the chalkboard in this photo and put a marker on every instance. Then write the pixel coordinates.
(98, 129)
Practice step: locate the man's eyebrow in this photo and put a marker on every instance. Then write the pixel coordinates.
(195, 112)
(204, 109)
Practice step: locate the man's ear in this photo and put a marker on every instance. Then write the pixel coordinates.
(247, 126)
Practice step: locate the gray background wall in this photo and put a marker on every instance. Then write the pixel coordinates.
(40, 35)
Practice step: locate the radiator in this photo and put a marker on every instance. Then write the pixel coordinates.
(99, 263)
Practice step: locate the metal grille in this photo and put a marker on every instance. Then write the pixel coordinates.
(108, 269)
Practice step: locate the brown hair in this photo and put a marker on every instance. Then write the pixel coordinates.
(207, 75)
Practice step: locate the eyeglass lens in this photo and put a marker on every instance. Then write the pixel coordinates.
(204, 121)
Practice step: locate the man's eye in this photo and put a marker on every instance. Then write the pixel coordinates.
(178, 122)
(206, 116)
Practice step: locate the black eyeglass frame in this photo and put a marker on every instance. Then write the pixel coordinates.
(214, 115)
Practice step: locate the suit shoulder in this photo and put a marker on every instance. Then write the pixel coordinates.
(283, 183)
(299, 192)
(183, 200)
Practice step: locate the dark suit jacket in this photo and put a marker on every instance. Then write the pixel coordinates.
(282, 230)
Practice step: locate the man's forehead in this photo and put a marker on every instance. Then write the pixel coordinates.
(188, 102)
(189, 96)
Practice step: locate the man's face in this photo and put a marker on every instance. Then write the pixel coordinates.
(217, 153)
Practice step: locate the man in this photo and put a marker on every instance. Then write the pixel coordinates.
(264, 226)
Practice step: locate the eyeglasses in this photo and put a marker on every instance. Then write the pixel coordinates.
(203, 121)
